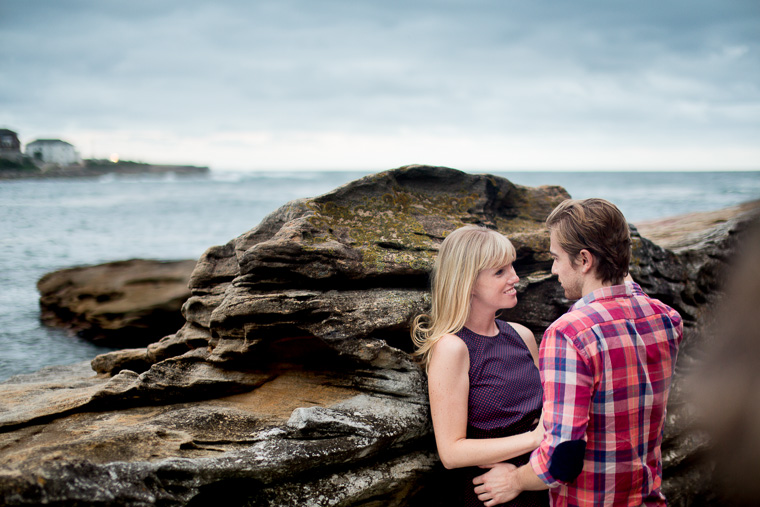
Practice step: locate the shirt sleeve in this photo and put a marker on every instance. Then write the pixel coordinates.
(568, 387)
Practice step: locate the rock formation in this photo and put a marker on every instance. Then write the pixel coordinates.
(119, 304)
(685, 232)
(291, 378)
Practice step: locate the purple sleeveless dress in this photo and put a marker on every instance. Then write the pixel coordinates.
(505, 399)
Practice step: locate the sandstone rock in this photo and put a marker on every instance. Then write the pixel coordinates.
(291, 378)
(119, 304)
(686, 232)
(168, 452)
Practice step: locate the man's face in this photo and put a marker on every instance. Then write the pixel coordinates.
(568, 273)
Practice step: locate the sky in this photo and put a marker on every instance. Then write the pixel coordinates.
(373, 85)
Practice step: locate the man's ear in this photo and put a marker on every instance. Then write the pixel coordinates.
(587, 260)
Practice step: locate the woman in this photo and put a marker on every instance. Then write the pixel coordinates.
(483, 381)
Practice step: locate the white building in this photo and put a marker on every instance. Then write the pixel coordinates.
(53, 151)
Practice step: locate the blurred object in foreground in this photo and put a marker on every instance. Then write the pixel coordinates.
(726, 389)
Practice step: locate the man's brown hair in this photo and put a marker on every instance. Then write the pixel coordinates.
(598, 226)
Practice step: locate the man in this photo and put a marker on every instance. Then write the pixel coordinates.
(606, 368)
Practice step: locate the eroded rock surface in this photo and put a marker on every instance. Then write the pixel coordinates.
(118, 304)
(686, 232)
(291, 378)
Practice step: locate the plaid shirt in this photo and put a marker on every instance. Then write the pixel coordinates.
(606, 368)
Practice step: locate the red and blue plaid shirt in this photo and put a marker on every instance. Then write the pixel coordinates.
(606, 367)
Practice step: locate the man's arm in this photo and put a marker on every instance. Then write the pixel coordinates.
(504, 482)
(568, 389)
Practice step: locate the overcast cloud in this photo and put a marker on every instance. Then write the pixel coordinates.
(355, 84)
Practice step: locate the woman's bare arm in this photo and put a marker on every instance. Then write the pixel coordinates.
(448, 387)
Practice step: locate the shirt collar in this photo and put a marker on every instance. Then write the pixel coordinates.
(627, 289)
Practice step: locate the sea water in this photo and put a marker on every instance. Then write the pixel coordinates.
(51, 224)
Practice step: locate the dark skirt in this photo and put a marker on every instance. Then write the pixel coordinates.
(466, 475)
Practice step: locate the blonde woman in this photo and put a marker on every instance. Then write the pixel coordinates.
(483, 381)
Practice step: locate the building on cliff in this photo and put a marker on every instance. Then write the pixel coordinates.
(53, 151)
(10, 147)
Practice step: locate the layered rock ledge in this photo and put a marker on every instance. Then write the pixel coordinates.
(290, 380)
(118, 304)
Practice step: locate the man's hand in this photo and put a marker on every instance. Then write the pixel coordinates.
(498, 485)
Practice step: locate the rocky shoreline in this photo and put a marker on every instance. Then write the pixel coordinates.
(116, 169)
(135, 302)
(683, 231)
(124, 304)
(291, 379)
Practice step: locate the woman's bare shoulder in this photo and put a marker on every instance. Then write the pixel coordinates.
(450, 344)
(525, 333)
(521, 330)
(449, 354)
(528, 337)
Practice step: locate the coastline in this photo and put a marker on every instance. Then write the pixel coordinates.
(102, 170)
(324, 314)
(681, 231)
(169, 217)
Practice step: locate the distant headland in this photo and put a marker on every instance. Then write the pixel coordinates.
(93, 168)
(53, 158)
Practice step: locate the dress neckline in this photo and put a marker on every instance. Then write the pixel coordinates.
(499, 330)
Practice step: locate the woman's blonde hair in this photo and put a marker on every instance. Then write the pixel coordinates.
(463, 255)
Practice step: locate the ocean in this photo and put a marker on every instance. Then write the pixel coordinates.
(46, 225)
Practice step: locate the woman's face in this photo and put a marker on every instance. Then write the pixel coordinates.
(495, 287)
